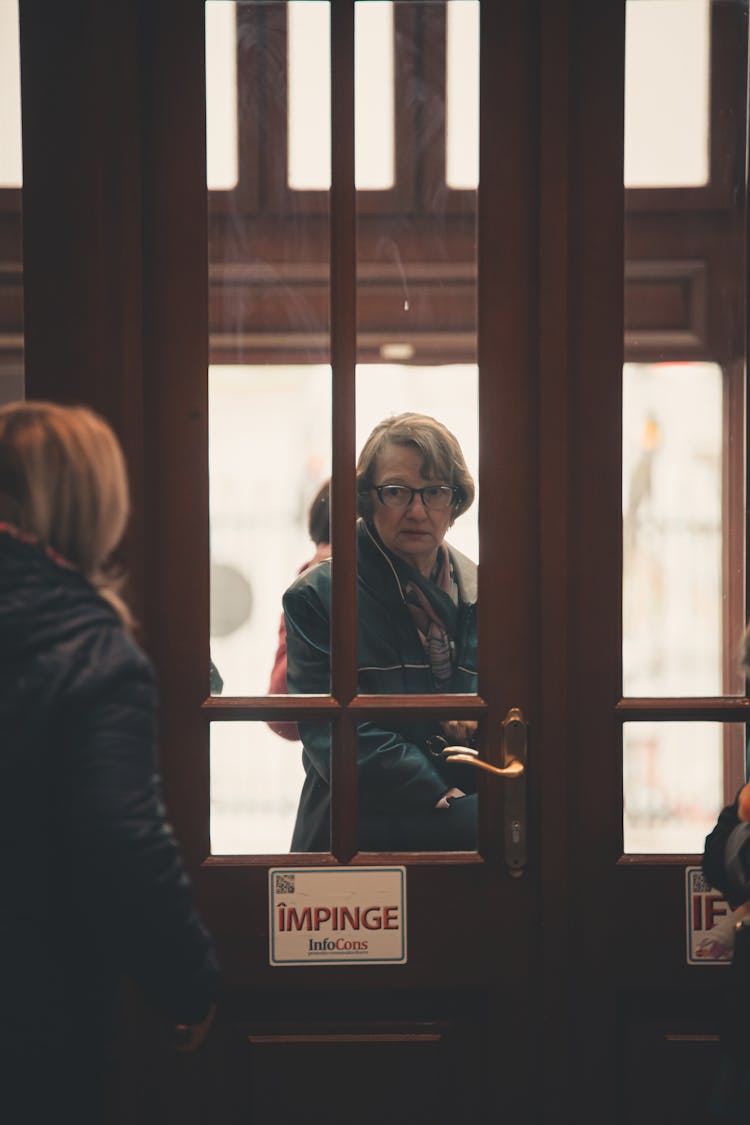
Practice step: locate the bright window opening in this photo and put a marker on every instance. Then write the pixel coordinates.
(462, 94)
(667, 65)
(11, 172)
(221, 95)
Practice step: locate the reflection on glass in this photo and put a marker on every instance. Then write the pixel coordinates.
(672, 529)
(674, 784)
(256, 779)
(667, 71)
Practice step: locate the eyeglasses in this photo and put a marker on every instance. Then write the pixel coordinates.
(435, 497)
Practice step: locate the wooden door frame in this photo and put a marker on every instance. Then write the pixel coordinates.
(128, 228)
(159, 229)
(626, 936)
(175, 338)
(82, 262)
(595, 286)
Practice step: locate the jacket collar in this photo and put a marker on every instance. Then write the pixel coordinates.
(375, 559)
(14, 533)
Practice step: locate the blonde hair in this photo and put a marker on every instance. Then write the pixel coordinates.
(441, 454)
(63, 480)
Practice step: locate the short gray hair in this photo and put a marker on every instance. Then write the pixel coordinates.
(442, 458)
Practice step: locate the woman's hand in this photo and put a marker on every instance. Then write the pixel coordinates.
(460, 731)
(443, 802)
(189, 1036)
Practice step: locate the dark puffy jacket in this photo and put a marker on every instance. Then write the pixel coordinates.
(726, 858)
(93, 885)
(399, 780)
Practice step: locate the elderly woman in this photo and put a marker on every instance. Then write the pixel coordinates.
(416, 634)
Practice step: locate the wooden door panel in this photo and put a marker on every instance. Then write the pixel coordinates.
(675, 1059)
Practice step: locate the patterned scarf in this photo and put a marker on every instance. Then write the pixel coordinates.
(432, 627)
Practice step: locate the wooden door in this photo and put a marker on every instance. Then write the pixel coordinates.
(543, 996)
(659, 708)
(426, 1037)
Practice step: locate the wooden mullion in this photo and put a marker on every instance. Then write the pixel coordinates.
(507, 209)
(175, 364)
(707, 709)
(555, 727)
(289, 708)
(343, 485)
(508, 603)
(420, 706)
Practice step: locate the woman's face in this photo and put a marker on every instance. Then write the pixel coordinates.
(413, 533)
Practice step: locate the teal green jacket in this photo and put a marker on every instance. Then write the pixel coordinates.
(397, 775)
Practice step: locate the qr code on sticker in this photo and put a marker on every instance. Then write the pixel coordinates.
(699, 883)
(284, 884)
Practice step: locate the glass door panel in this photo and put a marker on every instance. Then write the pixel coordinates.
(673, 783)
(667, 69)
(269, 388)
(683, 413)
(417, 395)
(256, 780)
(673, 434)
(270, 378)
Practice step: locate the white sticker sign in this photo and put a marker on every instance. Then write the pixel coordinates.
(337, 915)
(710, 922)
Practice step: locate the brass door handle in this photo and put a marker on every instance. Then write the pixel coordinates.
(514, 744)
(462, 754)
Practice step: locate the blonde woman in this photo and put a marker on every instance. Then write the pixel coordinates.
(93, 883)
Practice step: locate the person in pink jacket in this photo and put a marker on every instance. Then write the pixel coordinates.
(318, 523)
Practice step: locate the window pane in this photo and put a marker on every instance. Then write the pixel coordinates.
(462, 102)
(674, 782)
(256, 780)
(10, 97)
(416, 307)
(308, 76)
(672, 529)
(374, 95)
(684, 382)
(269, 437)
(221, 94)
(391, 819)
(309, 94)
(269, 432)
(449, 391)
(667, 60)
